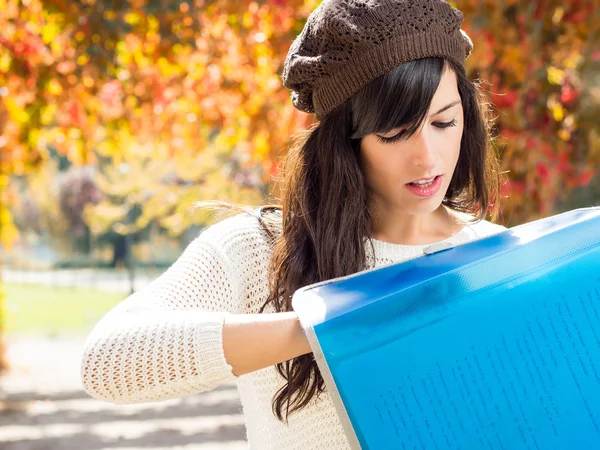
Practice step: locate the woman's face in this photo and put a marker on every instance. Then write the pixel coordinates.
(390, 164)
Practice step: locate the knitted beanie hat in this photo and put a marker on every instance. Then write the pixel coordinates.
(346, 44)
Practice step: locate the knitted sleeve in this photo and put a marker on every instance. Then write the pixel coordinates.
(165, 340)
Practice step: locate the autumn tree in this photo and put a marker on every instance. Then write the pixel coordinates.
(191, 84)
(539, 60)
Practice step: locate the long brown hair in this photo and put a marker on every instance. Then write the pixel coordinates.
(324, 215)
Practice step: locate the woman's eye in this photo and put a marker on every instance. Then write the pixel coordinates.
(397, 137)
(442, 125)
(387, 140)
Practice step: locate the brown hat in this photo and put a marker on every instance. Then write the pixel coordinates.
(346, 44)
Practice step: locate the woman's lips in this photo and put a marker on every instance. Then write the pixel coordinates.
(426, 191)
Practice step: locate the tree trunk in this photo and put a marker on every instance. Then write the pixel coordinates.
(119, 251)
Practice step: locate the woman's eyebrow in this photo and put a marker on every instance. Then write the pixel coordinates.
(450, 105)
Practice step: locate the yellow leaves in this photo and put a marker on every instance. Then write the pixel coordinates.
(141, 60)
(253, 105)
(5, 61)
(124, 55)
(174, 223)
(48, 113)
(247, 20)
(4, 179)
(106, 147)
(169, 70)
(8, 232)
(82, 60)
(102, 216)
(218, 26)
(556, 76)
(261, 145)
(53, 87)
(229, 85)
(120, 186)
(88, 81)
(556, 109)
(49, 32)
(16, 112)
(564, 135)
(189, 168)
(156, 206)
(33, 138)
(558, 15)
(132, 18)
(227, 138)
(558, 112)
(75, 148)
(131, 102)
(153, 24)
(574, 60)
(18, 168)
(168, 205)
(110, 14)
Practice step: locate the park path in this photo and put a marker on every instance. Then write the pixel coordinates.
(43, 407)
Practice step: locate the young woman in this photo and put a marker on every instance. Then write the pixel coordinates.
(400, 159)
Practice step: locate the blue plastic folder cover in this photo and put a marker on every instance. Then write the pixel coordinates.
(492, 344)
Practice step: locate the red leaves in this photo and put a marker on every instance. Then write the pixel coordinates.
(111, 99)
(274, 169)
(575, 16)
(224, 88)
(568, 93)
(506, 99)
(541, 170)
(27, 46)
(586, 176)
(75, 113)
(512, 187)
(531, 143)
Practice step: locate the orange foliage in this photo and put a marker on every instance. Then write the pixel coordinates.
(539, 60)
(173, 81)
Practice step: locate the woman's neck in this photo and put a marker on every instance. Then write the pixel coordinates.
(406, 229)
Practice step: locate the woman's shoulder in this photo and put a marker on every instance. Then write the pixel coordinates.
(486, 228)
(479, 228)
(243, 230)
(483, 228)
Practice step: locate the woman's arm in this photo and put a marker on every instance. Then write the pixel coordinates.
(188, 331)
(254, 341)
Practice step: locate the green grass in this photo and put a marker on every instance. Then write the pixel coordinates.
(37, 309)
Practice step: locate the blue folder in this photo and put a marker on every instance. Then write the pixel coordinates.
(491, 344)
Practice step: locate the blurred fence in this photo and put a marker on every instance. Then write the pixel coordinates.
(110, 280)
(38, 260)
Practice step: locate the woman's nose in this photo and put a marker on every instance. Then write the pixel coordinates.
(423, 153)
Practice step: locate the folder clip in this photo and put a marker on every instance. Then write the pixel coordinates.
(440, 246)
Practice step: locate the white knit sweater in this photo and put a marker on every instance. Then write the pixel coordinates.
(165, 340)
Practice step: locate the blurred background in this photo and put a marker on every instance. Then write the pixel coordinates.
(117, 115)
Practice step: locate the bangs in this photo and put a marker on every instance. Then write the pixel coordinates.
(400, 98)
